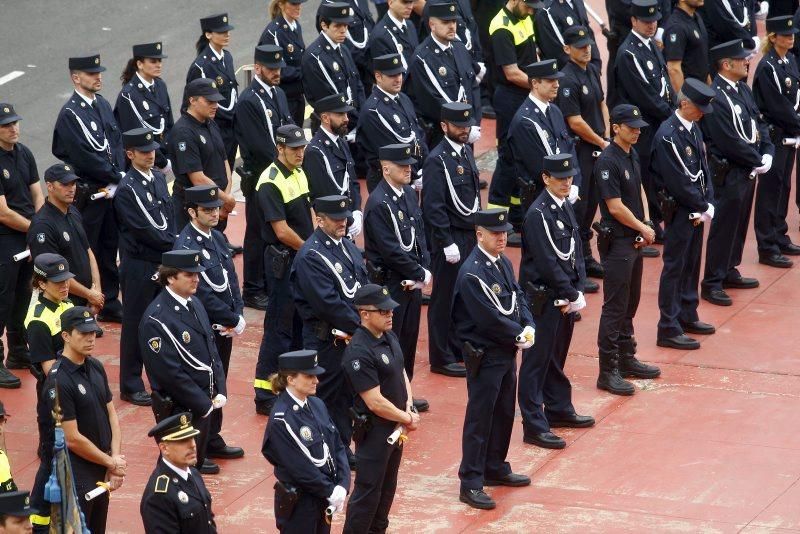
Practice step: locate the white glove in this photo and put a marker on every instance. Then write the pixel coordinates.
(710, 211)
(481, 72)
(417, 184)
(578, 304)
(528, 335)
(766, 164)
(166, 168)
(451, 254)
(337, 497)
(219, 401)
(763, 9)
(573, 194)
(474, 134)
(110, 190)
(239, 328)
(350, 137)
(358, 222)
(757, 42)
(659, 35)
(428, 277)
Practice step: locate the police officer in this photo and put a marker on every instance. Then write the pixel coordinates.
(738, 141)
(179, 352)
(218, 289)
(146, 226)
(551, 270)
(679, 164)
(175, 498)
(513, 45)
(326, 274)
(79, 384)
(449, 204)
(216, 63)
(551, 24)
(303, 445)
(358, 37)
(395, 244)
(15, 512)
(87, 137)
(624, 218)
(284, 30)
(7, 483)
(197, 151)
(144, 101)
(686, 44)
(582, 102)
(394, 33)
(466, 30)
(388, 117)
(776, 88)
(262, 109)
(374, 365)
(492, 320)
(21, 197)
(284, 212)
(441, 72)
(734, 19)
(58, 228)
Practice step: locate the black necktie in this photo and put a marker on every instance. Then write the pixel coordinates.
(190, 307)
(152, 89)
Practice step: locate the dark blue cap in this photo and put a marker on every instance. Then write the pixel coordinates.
(205, 196)
(204, 87)
(334, 206)
(140, 139)
(495, 220)
(374, 295)
(645, 10)
(389, 64)
(216, 23)
(151, 50)
(629, 115)
(303, 361)
(16, 503)
(335, 12)
(269, 55)
(699, 93)
(174, 428)
(335, 103)
(398, 153)
(78, 318)
(8, 115)
(781, 25)
(60, 172)
(184, 260)
(443, 11)
(458, 114)
(54, 267)
(545, 70)
(86, 63)
(730, 49)
(559, 165)
(291, 136)
(577, 36)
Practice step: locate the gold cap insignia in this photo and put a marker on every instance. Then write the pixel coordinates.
(466, 113)
(97, 61)
(186, 337)
(66, 168)
(213, 85)
(183, 419)
(651, 10)
(581, 33)
(496, 288)
(196, 258)
(408, 151)
(395, 61)
(342, 204)
(86, 314)
(148, 136)
(224, 19)
(277, 55)
(385, 291)
(566, 163)
(213, 192)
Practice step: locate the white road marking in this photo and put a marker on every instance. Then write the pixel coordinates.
(13, 75)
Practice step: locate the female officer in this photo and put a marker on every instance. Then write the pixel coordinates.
(143, 101)
(303, 444)
(216, 63)
(284, 30)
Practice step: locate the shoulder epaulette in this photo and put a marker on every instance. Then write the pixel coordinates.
(162, 483)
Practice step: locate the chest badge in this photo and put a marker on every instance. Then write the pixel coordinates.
(689, 151)
(290, 48)
(649, 64)
(269, 113)
(584, 90)
(460, 169)
(627, 175)
(566, 92)
(356, 365)
(442, 71)
(219, 80)
(338, 267)
(788, 82)
(396, 118)
(94, 124)
(496, 288)
(82, 389)
(40, 238)
(6, 174)
(335, 66)
(202, 139)
(400, 215)
(66, 236)
(149, 197)
(146, 106)
(385, 359)
(183, 497)
(570, 21)
(696, 34)
(206, 255)
(186, 337)
(560, 225)
(155, 344)
(182, 146)
(305, 433)
(673, 37)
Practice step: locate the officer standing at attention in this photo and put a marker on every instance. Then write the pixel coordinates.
(623, 218)
(146, 230)
(20, 198)
(738, 141)
(179, 352)
(262, 109)
(395, 244)
(197, 150)
(582, 102)
(686, 44)
(734, 19)
(513, 46)
(448, 206)
(373, 363)
(679, 163)
(303, 445)
(179, 503)
(388, 117)
(218, 290)
(394, 33)
(284, 30)
(91, 426)
(492, 320)
(216, 63)
(144, 101)
(284, 212)
(358, 34)
(552, 23)
(326, 274)
(15, 512)
(551, 269)
(87, 138)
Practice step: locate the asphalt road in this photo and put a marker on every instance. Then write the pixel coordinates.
(39, 35)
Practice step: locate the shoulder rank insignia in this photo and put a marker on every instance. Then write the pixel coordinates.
(155, 344)
(162, 483)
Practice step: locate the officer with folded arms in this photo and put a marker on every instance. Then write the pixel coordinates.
(15, 512)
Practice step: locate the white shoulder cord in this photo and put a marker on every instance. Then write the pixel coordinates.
(345, 179)
(359, 44)
(158, 226)
(217, 288)
(399, 51)
(202, 72)
(188, 357)
(330, 80)
(543, 138)
(232, 103)
(144, 123)
(397, 136)
(457, 204)
(269, 120)
(461, 91)
(693, 177)
(738, 125)
(347, 291)
(563, 256)
(97, 147)
(326, 453)
(406, 248)
(555, 28)
(745, 18)
(638, 67)
(494, 299)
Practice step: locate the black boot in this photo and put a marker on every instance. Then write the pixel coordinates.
(18, 355)
(7, 378)
(610, 379)
(629, 366)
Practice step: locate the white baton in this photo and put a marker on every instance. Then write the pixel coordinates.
(22, 255)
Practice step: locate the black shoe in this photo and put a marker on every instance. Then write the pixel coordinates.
(512, 480)
(716, 296)
(235, 249)
(610, 380)
(790, 250)
(140, 398)
(8, 380)
(16, 362)
(265, 407)
(650, 252)
(698, 327)
(476, 498)
(426, 299)
(572, 420)
(257, 302)
(100, 331)
(421, 405)
(740, 283)
(451, 369)
(776, 260)
(590, 286)
(545, 440)
(208, 468)
(109, 317)
(487, 112)
(483, 184)
(593, 268)
(514, 239)
(629, 366)
(226, 453)
(682, 342)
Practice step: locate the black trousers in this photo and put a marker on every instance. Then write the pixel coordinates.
(253, 255)
(308, 516)
(542, 382)
(86, 477)
(772, 202)
(297, 108)
(442, 347)
(15, 288)
(224, 348)
(622, 284)
(229, 138)
(41, 521)
(733, 202)
(376, 482)
(586, 206)
(138, 291)
(332, 389)
(488, 421)
(643, 147)
(100, 225)
(405, 321)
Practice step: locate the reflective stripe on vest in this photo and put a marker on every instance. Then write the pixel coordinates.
(51, 318)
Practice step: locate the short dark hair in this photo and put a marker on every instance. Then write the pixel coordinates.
(165, 272)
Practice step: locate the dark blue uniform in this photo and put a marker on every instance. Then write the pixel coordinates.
(389, 38)
(330, 169)
(324, 278)
(489, 416)
(142, 106)
(278, 32)
(171, 504)
(685, 177)
(222, 71)
(146, 230)
(686, 40)
(358, 35)
(452, 196)
(291, 424)
(466, 27)
(730, 20)
(394, 239)
(552, 258)
(329, 70)
(88, 138)
(553, 21)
